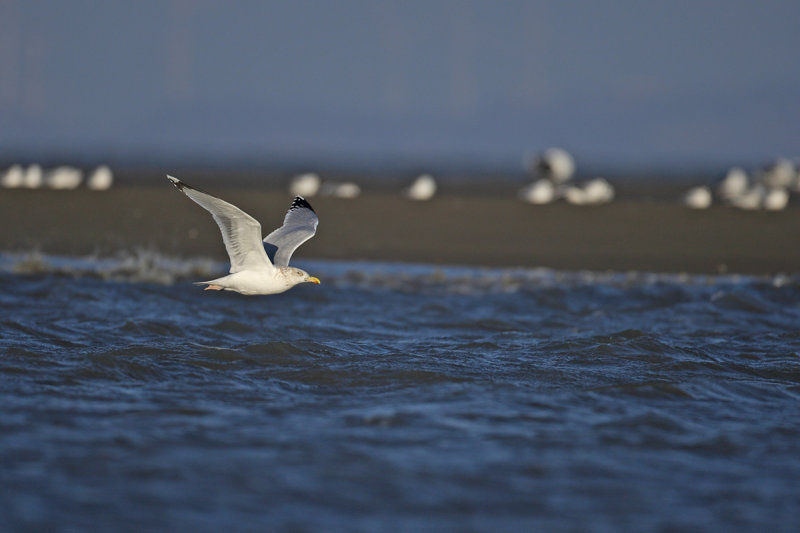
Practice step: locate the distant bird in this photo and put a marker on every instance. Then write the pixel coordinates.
(554, 164)
(101, 179)
(599, 191)
(795, 185)
(539, 192)
(63, 178)
(775, 199)
(252, 272)
(423, 188)
(13, 177)
(780, 174)
(698, 198)
(32, 178)
(752, 199)
(306, 185)
(593, 192)
(733, 185)
(347, 190)
(576, 195)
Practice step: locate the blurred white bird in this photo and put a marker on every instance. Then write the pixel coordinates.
(63, 178)
(593, 192)
(13, 177)
(576, 195)
(101, 179)
(554, 164)
(780, 174)
(347, 190)
(305, 185)
(32, 178)
(423, 188)
(734, 184)
(539, 192)
(698, 198)
(599, 191)
(751, 200)
(775, 199)
(795, 185)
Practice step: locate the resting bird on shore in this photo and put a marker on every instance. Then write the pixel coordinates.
(13, 177)
(305, 185)
(63, 178)
(733, 185)
(32, 179)
(101, 179)
(251, 271)
(698, 198)
(554, 164)
(594, 192)
(423, 188)
(539, 192)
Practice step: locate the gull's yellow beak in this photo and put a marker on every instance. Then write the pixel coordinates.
(312, 279)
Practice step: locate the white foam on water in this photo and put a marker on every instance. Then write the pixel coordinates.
(147, 266)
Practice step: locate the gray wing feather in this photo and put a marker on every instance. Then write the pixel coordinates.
(299, 225)
(241, 233)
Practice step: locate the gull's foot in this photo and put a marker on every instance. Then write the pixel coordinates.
(213, 288)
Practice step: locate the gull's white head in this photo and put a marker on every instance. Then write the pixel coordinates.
(295, 276)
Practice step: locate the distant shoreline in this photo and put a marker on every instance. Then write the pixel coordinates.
(468, 229)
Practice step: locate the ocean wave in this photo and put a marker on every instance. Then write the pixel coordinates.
(139, 266)
(147, 266)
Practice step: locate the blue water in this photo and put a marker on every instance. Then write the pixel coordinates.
(396, 398)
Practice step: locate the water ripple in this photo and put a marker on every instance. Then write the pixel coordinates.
(435, 398)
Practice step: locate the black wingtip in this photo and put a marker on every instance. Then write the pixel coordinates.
(176, 182)
(180, 185)
(300, 202)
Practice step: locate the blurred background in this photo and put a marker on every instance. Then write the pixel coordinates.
(448, 86)
(558, 246)
(660, 108)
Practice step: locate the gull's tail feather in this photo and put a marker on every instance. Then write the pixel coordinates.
(210, 285)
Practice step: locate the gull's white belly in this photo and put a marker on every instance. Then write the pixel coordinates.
(251, 282)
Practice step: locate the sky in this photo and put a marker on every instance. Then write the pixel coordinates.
(475, 84)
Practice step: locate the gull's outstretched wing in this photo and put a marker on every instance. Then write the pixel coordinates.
(241, 233)
(299, 225)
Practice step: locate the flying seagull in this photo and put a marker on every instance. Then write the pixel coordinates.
(252, 271)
